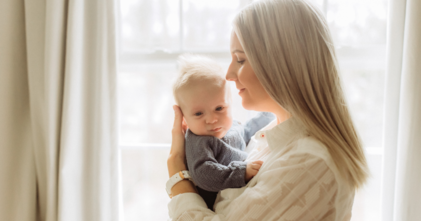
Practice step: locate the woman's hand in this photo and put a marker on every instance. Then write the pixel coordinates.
(176, 161)
(178, 134)
(252, 169)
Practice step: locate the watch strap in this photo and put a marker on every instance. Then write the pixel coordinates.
(182, 175)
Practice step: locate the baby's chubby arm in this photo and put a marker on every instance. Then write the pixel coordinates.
(202, 154)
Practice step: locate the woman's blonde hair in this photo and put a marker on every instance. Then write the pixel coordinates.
(289, 47)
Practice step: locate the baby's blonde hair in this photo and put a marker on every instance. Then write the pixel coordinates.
(197, 69)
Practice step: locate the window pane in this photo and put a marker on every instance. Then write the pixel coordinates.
(364, 91)
(367, 200)
(144, 173)
(145, 96)
(207, 23)
(150, 25)
(363, 79)
(357, 22)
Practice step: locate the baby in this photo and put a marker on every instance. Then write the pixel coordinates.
(214, 143)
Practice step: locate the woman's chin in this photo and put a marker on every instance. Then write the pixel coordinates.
(247, 105)
(253, 105)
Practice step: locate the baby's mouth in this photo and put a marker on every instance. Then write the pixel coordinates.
(216, 129)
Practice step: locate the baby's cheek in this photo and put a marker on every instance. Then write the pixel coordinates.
(191, 125)
(229, 121)
(199, 129)
(195, 130)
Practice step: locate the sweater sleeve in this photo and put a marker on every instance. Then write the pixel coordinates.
(207, 173)
(256, 123)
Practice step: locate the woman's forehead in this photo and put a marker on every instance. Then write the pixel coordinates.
(235, 45)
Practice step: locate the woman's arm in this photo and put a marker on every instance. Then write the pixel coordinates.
(176, 160)
(298, 187)
(175, 165)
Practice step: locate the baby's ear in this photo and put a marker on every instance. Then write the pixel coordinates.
(184, 125)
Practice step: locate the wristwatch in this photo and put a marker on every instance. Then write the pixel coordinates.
(182, 175)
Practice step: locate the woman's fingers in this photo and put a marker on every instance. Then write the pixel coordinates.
(178, 119)
(177, 144)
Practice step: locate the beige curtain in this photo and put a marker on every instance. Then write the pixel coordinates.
(58, 132)
(401, 192)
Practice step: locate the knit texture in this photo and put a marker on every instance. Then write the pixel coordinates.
(216, 164)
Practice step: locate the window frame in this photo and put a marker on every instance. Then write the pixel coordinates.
(348, 57)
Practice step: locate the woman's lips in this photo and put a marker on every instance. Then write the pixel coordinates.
(241, 91)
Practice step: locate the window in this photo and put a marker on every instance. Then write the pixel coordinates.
(154, 33)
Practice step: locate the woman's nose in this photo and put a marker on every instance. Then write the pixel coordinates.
(231, 74)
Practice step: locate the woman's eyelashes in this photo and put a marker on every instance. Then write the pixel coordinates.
(238, 59)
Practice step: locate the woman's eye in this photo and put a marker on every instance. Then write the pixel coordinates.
(198, 114)
(241, 62)
(219, 108)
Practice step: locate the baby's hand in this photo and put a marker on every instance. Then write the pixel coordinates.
(252, 169)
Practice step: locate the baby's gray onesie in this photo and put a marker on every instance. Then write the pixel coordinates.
(216, 164)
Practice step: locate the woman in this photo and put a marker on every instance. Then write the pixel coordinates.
(283, 61)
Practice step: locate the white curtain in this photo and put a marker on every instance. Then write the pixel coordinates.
(401, 190)
(58, 131)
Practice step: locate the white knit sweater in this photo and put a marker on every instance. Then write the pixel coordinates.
(298, 181)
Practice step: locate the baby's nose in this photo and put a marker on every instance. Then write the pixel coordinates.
(211, 119)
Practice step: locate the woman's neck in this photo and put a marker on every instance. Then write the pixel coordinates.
(280, 119)
(273, 107)
(281, 114)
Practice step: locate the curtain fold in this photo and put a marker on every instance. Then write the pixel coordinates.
(401, 195)
(63, 104)
(18, 189)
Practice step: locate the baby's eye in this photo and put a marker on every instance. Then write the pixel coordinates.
(219, 108)
(198, 114)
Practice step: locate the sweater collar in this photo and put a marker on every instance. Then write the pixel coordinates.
(282, 134)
